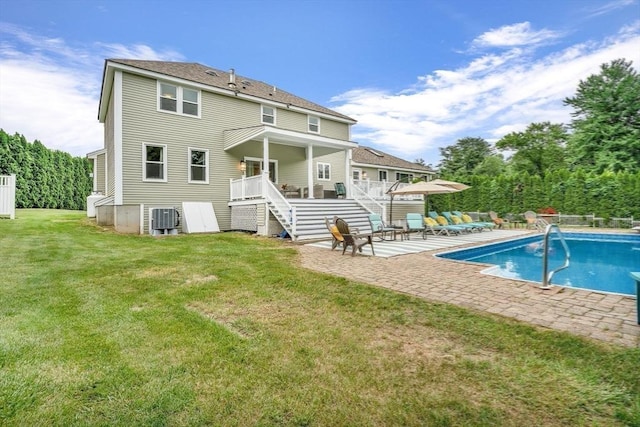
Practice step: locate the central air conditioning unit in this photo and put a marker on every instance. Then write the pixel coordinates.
(164, 221)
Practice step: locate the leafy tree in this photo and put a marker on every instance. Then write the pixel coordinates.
(606, 124)
(462, 158)
(493, 165)
(540, 148)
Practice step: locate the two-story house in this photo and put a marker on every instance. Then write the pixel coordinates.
(222, 150)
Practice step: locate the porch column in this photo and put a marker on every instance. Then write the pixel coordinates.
(265, 154)
(310, 171)
(347, 171)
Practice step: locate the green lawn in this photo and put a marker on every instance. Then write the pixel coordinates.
(98, 328)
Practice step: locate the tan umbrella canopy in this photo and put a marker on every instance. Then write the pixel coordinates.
(457, 185)
(422, 187)
(426, 188)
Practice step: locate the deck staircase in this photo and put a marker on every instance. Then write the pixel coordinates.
(311, 213)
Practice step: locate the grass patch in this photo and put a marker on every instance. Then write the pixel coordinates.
(100, 328)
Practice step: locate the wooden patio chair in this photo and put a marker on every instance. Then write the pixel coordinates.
(496, 219)
(353, 239)
(336, 237)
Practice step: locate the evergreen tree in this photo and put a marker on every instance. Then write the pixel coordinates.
(606, 124)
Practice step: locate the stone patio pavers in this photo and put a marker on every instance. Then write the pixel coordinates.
(603, 317)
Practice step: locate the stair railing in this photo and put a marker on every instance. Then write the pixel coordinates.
(546, 277)
(366, 201)
(283, 210)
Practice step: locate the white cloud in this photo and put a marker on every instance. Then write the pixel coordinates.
(489, 97)
(609, 7)
(49, 89)
(520, 34)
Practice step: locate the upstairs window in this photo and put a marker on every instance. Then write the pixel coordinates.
(198, 166)
(178, 99)
(324, 171)
(404, 177)
(314, 124)
(268, 115)
(155, 162)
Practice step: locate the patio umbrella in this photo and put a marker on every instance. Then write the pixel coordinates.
(423, 187)
(457, 185)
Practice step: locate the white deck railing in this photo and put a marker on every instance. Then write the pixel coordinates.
(8, 195)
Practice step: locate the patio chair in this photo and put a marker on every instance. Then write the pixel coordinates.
(380, 228)
(353, 240)
(336, 237)
(466, 219)
(454, 220)
(437, 229)
(533, 222)
(415, 222)
(497, 220)
(341, 190)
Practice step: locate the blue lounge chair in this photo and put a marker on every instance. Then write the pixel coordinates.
(380, 228)
(437, 229)
(466, 219)
(454, 220)
(415, 222)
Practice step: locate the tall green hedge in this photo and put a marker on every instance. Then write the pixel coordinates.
(44, 178)
(578, 193)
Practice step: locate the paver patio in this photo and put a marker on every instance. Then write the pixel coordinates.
(605, 317)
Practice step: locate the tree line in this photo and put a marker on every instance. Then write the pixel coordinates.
(591, 165)
(44, 178)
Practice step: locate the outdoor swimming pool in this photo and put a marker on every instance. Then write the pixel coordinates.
(599, 261)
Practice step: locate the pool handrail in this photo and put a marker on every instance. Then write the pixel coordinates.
(546, 277)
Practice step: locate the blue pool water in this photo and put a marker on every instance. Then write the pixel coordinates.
(599, 261)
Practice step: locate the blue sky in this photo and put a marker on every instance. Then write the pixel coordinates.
(416, 75)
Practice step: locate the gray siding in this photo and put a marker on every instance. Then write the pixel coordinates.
(100, 173)
(142, 123)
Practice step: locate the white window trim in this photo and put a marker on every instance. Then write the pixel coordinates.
(144, 162)
(386, 172)
(262, 114)
(354, 172)
(309, 124)
(179, 100)
(206, 165)
(326, 178)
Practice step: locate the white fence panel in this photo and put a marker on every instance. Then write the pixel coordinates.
(8, 195)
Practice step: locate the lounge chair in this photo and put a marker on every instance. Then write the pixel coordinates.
(353, 240)
(454, 220)
(496, 219)
(336, 237)
(415, 222)
(468, 220)
(437, 229)
(380, 228)
(533, 222)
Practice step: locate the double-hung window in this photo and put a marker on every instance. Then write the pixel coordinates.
(382, 175)
(314, 124)
(178, 99)
(198, 166)
(324, 171)
(268, 115)
(155, 162)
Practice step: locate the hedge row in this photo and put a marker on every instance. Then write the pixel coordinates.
(577, 193)
(44, 178)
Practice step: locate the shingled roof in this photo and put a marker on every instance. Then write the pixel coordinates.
(205, 75)
(371, 156)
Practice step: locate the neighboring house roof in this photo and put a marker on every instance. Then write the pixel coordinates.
(208, 76)
(374, 157)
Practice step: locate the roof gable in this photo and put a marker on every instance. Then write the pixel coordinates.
(215, 78)
(375, 157)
